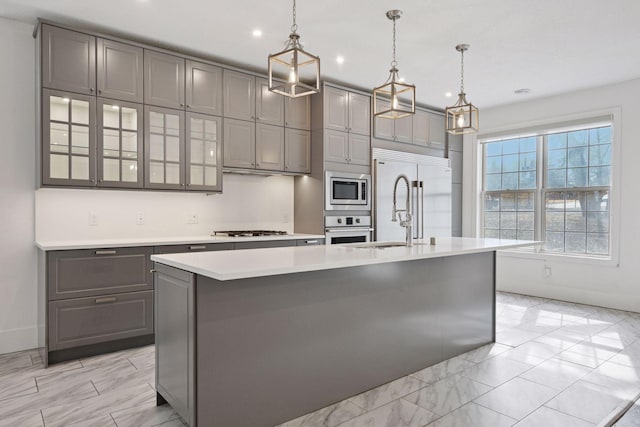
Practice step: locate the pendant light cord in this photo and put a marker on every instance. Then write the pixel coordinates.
(462, 71)
(294, 27)
(394, 63)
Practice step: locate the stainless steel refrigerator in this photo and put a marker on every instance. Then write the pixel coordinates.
(430, 194)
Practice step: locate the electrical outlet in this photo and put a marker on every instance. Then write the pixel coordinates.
(93, 218)
(285, 218)
(140, 218)
(192, 219)
(547, 272)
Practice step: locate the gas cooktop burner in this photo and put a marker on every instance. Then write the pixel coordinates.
(250, 233)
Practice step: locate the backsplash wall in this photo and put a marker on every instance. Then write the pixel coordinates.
(248, 201)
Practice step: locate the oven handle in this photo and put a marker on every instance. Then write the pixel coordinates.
(347, 229)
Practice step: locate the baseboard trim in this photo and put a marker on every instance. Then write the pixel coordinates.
(100, 348)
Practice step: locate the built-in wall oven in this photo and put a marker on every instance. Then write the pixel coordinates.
(347, 229)
(347, 191)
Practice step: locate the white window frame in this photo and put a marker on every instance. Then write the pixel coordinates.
(517, 130)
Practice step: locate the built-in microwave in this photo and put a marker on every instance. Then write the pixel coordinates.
(347, 191)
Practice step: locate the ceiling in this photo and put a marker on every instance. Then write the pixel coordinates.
(548, 46)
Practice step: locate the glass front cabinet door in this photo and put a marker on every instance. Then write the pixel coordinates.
(68, 139)
(204, 151)
(164, 148)
(119, 144)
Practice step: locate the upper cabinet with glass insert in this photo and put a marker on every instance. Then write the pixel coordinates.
(120, 158)
(68, 139)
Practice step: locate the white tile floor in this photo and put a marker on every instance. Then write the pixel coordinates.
(554, 364)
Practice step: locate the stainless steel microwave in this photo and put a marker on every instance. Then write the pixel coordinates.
(347, 191)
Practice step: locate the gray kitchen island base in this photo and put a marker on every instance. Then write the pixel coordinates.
(264, 350)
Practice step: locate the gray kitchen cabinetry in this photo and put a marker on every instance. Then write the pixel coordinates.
(240, 143)
(269, 105)
(164, 80)
(239, 95)
(399, 130)
(346, 111)
(68, 60)
(204, 88)
(297, 113)
(421, 128)
(203, 152)
(96, 298)
(348, 148)
(269, 149)
(120, 144)
(297, 155)
(68, 139)
(119, 71)
(454, 144)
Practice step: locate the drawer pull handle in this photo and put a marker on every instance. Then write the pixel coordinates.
(153, 270)
(112, 252)
(196, 248)
(105, 300)
(311, 242)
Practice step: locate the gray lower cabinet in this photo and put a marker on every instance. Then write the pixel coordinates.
(164, 79)
(95, 272)
(264, 244)
(270, 143)
(204, 88)
(119, 71)
(297, 156)
(240, 144)
(68, 60)
(84, 321)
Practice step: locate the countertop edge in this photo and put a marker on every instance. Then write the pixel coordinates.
(58, 245)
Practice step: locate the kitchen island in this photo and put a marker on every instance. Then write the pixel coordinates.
(258, 337)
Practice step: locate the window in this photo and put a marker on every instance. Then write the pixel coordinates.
(554, 187)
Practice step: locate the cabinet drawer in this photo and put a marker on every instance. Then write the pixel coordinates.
(83, 273)
(264, 244)
(196, 247)
(310, 242)
(83, 321)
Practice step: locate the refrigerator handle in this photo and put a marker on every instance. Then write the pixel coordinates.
(415, 202)
(422, 209)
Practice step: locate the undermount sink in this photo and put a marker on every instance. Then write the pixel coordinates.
(380, 245)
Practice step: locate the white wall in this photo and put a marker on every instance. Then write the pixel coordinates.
(17, 181)
(609, 285)
(248, 201)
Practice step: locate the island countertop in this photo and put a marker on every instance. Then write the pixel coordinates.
(231, 265)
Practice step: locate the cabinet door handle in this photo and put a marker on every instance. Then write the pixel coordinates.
(188, 106)
(196, 248)
(91, 89)
(105, 300)
(109, 252)
(258, 165)
(99, 90)
(182, 105)
(153, 270)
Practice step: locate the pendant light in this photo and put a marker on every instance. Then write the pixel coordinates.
(387, 97)
(294, 72)
(463, 116)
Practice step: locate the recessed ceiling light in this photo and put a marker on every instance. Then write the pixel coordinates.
(340, 59)
(523, 91)
(257, 32)
(448, 94)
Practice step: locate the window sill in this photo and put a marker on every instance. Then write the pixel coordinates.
(601, 261)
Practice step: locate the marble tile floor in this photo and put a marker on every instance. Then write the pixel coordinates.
(553, 364)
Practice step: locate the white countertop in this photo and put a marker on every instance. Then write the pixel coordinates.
(55, 245)
(230, 265)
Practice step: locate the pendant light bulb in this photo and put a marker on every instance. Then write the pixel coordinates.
(292, 75)
(395, 101)
(461, 121)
